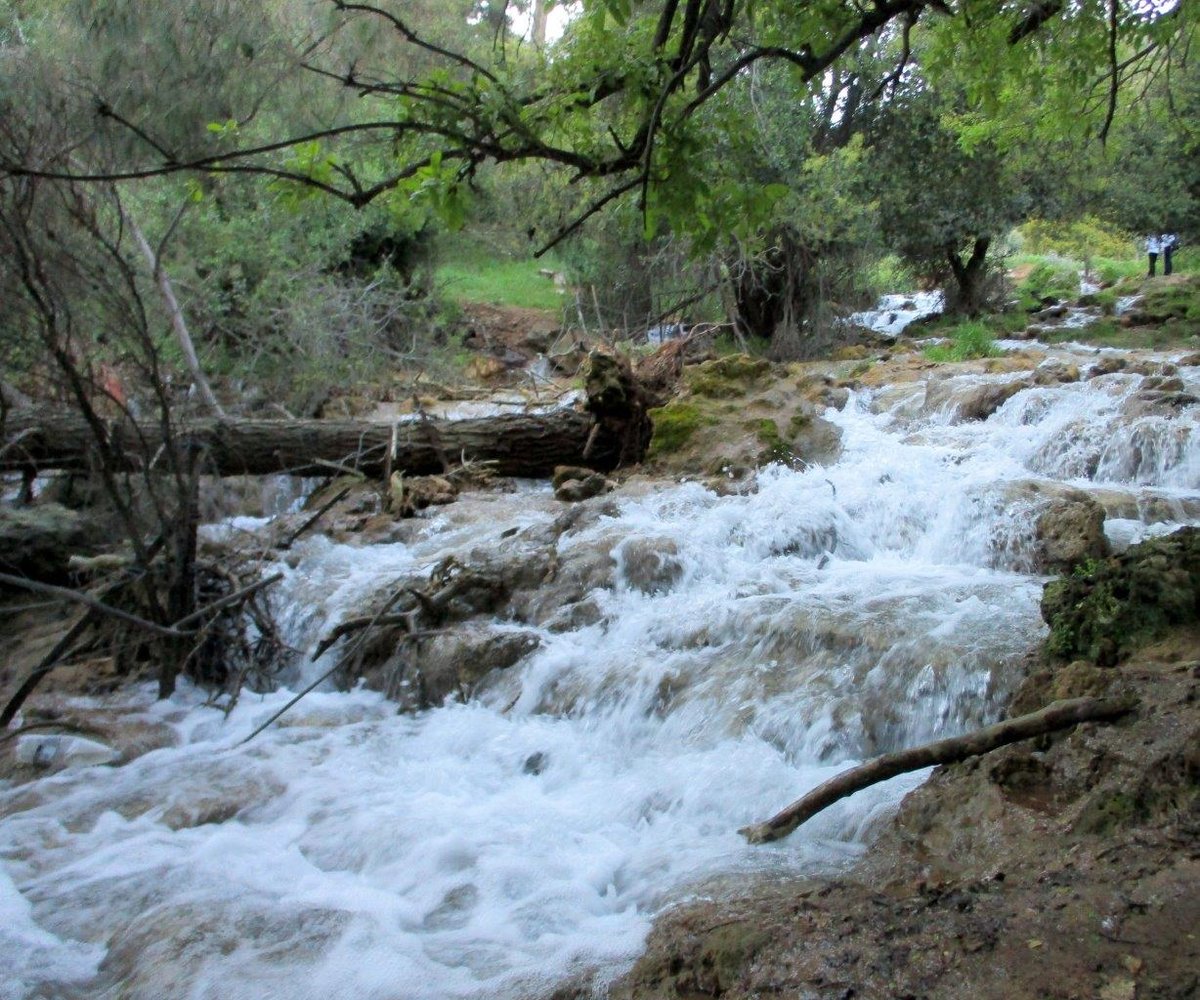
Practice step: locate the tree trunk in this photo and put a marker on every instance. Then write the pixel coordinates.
(175, 312)
(517, 444)
(969, 297)
(541, 11)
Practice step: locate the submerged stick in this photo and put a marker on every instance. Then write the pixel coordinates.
(1059, 715)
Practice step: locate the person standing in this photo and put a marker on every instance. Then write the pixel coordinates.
(1168, 242)
(1153, 245)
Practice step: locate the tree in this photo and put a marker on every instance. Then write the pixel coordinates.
(942, 203)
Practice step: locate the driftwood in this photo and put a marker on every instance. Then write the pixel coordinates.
(517, 444)
(1059, 715)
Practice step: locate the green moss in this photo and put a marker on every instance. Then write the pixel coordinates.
(800, 422)
(1108, 812)
(674, 424)
(726, 377)
(776, 449)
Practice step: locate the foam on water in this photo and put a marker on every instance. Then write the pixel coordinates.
(500, 847)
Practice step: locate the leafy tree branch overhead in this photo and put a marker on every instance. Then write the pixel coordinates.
(411, 99)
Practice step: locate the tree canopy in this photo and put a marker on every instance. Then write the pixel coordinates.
(625, 100)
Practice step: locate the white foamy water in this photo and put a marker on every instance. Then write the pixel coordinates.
(892, 313)
(500, 847)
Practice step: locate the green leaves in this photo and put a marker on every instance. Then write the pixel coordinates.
(438, 187)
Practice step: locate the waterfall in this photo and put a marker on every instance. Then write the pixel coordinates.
(501, 846)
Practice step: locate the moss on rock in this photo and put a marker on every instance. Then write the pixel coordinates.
(674, 424)
(1106, 609)
(724, 378)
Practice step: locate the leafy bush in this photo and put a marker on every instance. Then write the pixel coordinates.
(968, 340)
(1083, 239)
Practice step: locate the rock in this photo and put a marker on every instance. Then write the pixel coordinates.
(1055, 373)
(1108, 365)
(651, 565)
(579, 570)
(1056, 311)
(813, 440)
(563, 473)
(1190, 360)
(575, 490)
(57, 751)
(1071, 531)
(1124, 601)
(972, 401)
(728, 377)
(453, 663)
(409, 494)
(39, 541)
(1157, 402)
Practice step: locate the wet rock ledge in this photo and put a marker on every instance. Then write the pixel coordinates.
(1066, 867)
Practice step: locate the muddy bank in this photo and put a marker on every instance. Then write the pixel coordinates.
(1062, 867)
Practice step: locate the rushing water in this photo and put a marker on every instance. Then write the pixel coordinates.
(499, 847)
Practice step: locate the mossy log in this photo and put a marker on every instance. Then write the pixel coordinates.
(514, 444)
(1059, 715)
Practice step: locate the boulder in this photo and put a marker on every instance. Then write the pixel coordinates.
(39, 541)
(451, 664)
(572, 484)
(1070, 531)
(651, 565)
(409, 494)
(970, 401)
(1124, 601)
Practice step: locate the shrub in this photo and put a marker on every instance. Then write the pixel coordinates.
(972, 339)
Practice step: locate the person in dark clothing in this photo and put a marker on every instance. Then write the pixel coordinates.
(1153, 245)
(1169, 242)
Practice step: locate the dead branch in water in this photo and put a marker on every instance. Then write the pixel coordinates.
(1059, 715)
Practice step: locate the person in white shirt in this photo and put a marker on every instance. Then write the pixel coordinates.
(1153, 246)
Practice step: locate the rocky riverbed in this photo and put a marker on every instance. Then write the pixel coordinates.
(536, 773)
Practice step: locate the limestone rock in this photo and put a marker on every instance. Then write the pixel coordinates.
(651, 565)
(973, 401)
(39, 541)
(1125, 601)
(453, 663)
(1071, 531)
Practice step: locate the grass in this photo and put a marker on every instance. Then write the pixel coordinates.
(472, 271)
(972, 339)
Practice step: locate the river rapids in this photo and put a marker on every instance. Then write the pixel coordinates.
(526, 837)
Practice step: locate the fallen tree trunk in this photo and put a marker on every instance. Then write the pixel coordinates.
(1059, 715)
(517, 444)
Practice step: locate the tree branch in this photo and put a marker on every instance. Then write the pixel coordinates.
(1059, 715)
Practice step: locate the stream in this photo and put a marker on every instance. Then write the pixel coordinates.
(527, 837)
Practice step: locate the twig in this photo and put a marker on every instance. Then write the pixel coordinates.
(356, 624)
(1059, 715)
(228, 599)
